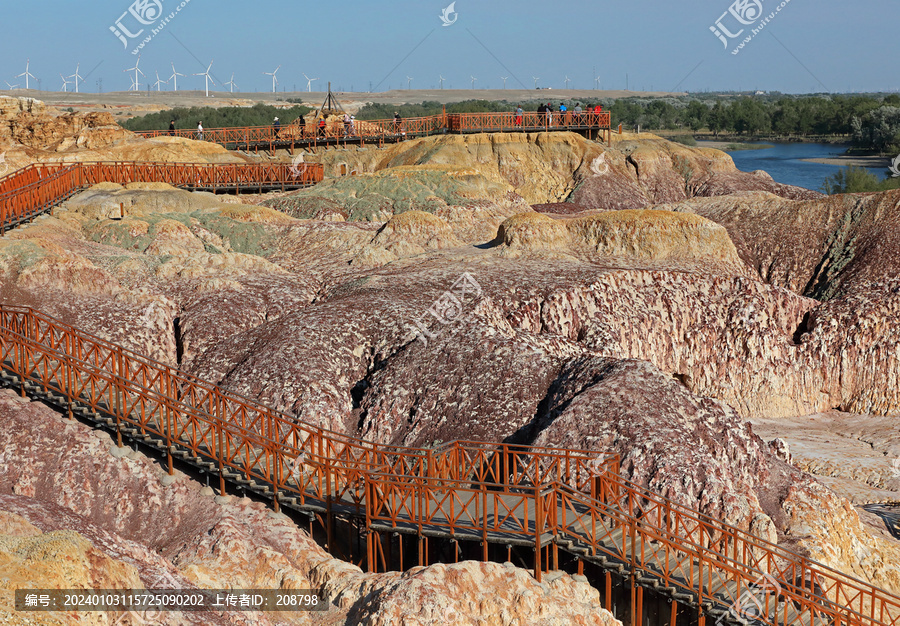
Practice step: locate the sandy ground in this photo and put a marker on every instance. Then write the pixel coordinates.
(856, 455)
(859, 161)
(722, 145)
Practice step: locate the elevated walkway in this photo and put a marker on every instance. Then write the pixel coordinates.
(560, 504)
(380, 132)
(36, 189)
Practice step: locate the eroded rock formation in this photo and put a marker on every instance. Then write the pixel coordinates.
(424, 300)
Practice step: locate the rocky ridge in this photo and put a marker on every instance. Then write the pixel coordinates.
(463, 313)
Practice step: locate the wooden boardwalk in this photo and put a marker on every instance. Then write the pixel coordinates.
(556, 501)
(379, 132)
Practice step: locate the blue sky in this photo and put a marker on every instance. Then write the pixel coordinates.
(809, 46)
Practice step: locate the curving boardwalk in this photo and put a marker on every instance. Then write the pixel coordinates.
(380, 132)
(555, 501)
(36, 189)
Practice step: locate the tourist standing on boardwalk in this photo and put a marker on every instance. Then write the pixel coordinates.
(398, 121)
(276, 125)
(579, 118)
(519, 115)
(172, 128)
(347, 125)
(549, 110)
(200, 131)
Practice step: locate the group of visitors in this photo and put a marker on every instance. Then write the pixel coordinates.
(545, 113)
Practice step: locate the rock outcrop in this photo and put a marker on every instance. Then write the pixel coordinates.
(32, 132)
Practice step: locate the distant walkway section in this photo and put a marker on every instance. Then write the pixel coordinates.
(360, 132)
(36, 189)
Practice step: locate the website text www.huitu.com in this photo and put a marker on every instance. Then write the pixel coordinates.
(743, 16)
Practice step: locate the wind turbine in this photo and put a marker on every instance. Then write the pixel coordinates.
(175, 76)
(473, 81)
(442, 79)
(77, 76)
(65, 85)
(11, 87)
(274, 78)
(503, 78)
(135, 84)
(567, 81)
(159, 81)
(536, 79)
(309, 82)
(408, 82)
(26, 73)
(231, 83)
(597, 82)
(206, 74)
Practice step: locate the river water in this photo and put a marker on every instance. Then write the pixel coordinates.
(784, 163)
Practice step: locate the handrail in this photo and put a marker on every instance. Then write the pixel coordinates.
(383, 130)
(37, 188)
(298, 460)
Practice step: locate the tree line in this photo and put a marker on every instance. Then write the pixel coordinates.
(258, 115)
(872, 121)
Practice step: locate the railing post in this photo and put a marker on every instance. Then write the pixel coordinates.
(168, 423)
(276, 473)
(538, 522)
(219, 422)
(117, 374)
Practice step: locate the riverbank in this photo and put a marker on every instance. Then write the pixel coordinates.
(731, 146)
(843, 160)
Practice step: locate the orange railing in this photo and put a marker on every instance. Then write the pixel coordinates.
(37, 188)
(541, 497)
(389, 130)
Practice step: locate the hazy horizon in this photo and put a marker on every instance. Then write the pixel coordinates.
(642, 46)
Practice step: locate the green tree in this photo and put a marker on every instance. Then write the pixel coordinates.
(695, 115)
(878, 130)
(853, 179)
(717, 119)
